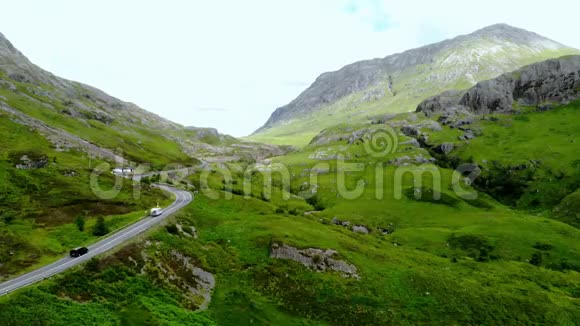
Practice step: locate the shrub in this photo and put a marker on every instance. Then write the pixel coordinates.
(543, 246)
(317, 259)
(80, 222)
(475, 246)
(172, 228)
(536, 259)
(101, 228)
(316, 202)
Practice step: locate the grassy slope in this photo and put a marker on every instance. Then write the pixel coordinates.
(137, 142)
(424, 278)
(405, 284)
(39, 206)
(545, 143)
(412, 87)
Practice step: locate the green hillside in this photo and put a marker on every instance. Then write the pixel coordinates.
(465, 212)
(452, 260)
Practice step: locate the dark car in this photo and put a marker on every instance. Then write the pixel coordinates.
(77, 252)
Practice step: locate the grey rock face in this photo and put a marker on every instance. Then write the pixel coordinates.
(316, 259)
(203, 284)
(555, 80)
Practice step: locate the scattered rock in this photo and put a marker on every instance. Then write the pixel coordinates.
(336, 221)
(26, 163)
(384, 231)
(410, 131)
(193, 232)
(69, 173)
(544, 107)
(444, 148)
(467, 135)
(431, 125)
(412, 142)
(406, 160)
(360, 229)
(400, 161)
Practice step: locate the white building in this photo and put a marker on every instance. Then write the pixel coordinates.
(122, 171)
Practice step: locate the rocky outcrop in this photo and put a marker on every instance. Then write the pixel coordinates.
(198, 282)
(440, 103)
(315, 259)
(555, 80)
(26, 162)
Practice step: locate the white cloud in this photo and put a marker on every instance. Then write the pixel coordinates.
(247, 56)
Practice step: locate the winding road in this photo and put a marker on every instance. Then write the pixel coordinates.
(182, 198)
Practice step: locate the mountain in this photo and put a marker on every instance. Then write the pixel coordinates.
(17, 68)
(397, 83)
(101, 120)
(56, 134)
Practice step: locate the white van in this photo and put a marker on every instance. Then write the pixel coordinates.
(156, 211)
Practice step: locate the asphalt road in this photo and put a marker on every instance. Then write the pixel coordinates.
(182, 198)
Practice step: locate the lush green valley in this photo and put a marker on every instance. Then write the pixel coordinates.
(463, 212)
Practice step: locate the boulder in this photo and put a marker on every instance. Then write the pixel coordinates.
(444, 148)
(360, 229)
(431, 125)
(412, 142)
(410, 131)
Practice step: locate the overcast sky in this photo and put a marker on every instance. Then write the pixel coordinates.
(229, 64)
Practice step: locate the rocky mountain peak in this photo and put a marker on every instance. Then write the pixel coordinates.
(515, 35)
(422, 72)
